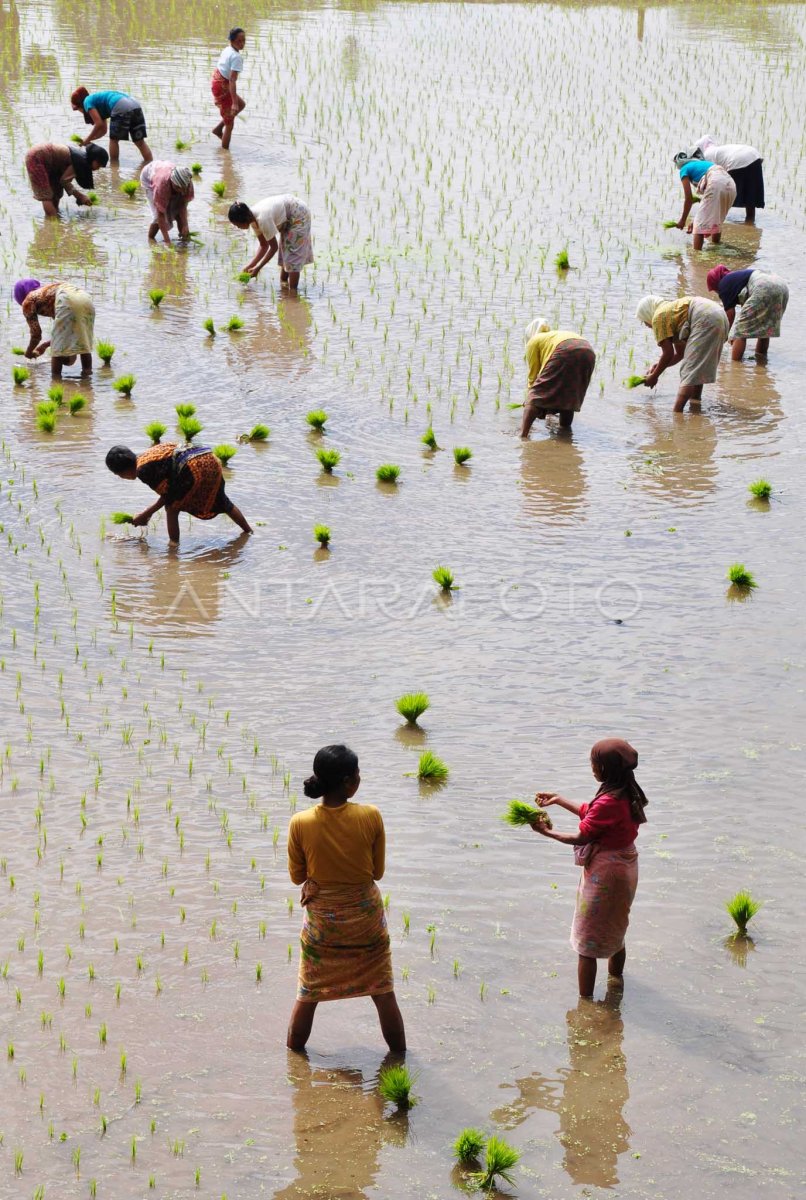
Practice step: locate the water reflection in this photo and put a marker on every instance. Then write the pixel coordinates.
(678, 457)
(588, 1096)
(66, 242)
(339, 1131)
(553, 479)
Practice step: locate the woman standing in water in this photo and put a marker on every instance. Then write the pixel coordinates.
(52, 170)
(337, 850)
(604, 847)
(73, 314)
(225, 86)
(282, 225)
(690, 331)
(718, 194)
(762, 297)
(560, 368)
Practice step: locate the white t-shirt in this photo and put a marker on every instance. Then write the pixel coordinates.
(270, 215)
(732, 157)
(230, 60)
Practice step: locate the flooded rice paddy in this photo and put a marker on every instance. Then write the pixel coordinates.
(160, 708)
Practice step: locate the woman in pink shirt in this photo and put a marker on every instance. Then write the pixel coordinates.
(604, 847)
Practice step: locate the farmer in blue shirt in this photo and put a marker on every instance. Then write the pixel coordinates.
(118, 112)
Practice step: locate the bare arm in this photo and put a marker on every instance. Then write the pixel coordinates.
(99, 127)
(668, 356)
(145, 516)
(688, 201)
(36, 336)
(545, 799)
(263, 246)
(730, 313)
(265, 256)
(567, 839)
(162, 221)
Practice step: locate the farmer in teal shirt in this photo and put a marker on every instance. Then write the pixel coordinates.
(118, 112)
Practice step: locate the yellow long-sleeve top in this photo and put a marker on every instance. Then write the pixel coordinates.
(540, 348)
(337, 845)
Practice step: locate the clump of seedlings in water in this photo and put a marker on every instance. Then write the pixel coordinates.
(77, 402)
(189, 427)
(56, 394)
(519, 813)
(669, 224)
(328, 459)
(322, 535)
(18, 350)
(129, 187)
(429, 439)
(46, 422)
(185, 410)
(633, 381)
(121, 518)
(258, 433)
(105, 351)
(388, 473)
(181, 144)
(395, 1084)
(20, 375)
(233, 325)
(461, 455)
(243, 277)
(740, 577)
(443, 576)
(432, 769)
(468, 1146)
(196, 168)
(224, 453)
(742, 907)
(154, 430)
(220, 188)
(499, 1160)
(124, 385)
(412, 705)
(561, 261)
(209, 325)
(760, 488)
(156, 296)
(317, 418)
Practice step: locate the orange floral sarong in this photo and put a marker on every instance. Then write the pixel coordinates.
(344, 944)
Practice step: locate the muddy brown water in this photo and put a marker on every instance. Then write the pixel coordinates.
(160, 709)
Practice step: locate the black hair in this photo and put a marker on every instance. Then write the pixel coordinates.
(240, 213)
(97, 154)
(332, 765)
(233, 33)
(121, 458)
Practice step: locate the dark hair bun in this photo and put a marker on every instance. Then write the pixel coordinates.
(313, 787)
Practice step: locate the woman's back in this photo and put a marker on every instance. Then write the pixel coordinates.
(344, 843)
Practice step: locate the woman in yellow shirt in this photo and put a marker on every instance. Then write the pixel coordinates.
(560, 368)
(690, 331)
(337, 850)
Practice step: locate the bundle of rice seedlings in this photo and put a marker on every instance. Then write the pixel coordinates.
(461, 455)
(233, 325)
(47, 406)
(761, 489)
(518, 813)
(209, 325)
(56, 394)
(499, 1160)
(561, 261)
(740, 577)
(196, 168)
(243, 277)
(387, 473)
(429, 439)
(77, 138)
(105, 350)
(224, 453)
(93, 198)
(669, 224)
(156, 296)
(328, 459)
(633, 381)
(181, 144)
(121, 518)
(317, 418)
(77, 402)
(46, 422)
(220, 188)
(124, 385)
(444, 577)
(742, 907)
(395, 1084)
(468, 1146)
(258, 433)
(189, 427)
(20, 375)
(154, 430)
(185, 410)
(18, 350)
(322, 534)
(431, 768)
(129, 187)
(412, 706)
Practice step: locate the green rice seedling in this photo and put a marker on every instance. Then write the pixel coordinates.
(154, 430)
(105, 350)
(156, 296)
(47, 406)
(243, 277)
(258, 972)
(46, 422)
(189, 427)
(395, 1084)
(429, 439)
(124, 385)
(461, 455)
(196, 168)
(322, 535)
(669, 224)
(77, 402)
(77, 138)
(519, 813)
(129, 187)
(468, 1146)
(93, 198)
(220, 188)
(121, 518)
(412, 705)
(742, 907)
(181, 144)
(444, 577)
(317, 419)
(633, 381)
(18, 350)
(388, 473)
(209, 325)
(18, 1161)
(561, 260)
(233, 325)
(499, 1160)
(328, 459)
(56, 394)
(258, 433)
(20, 375)
(740, 577)
(760, 488)
(185, 410)
(432, 769)
(224, 453)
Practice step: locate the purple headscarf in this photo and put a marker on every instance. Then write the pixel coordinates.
(23, 286)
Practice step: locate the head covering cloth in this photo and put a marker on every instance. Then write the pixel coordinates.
(539, 325)
(647, 307)
(23, 286)
(615, 761)
(181, 178)
(715, 277)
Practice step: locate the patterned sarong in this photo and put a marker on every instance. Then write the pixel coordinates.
(73, 322)
(221, 95)
(296, 245)
(605, 894)
(563, 382)
(761, 312)
(344, 944)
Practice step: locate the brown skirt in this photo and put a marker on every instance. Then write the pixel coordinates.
(563, 382)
